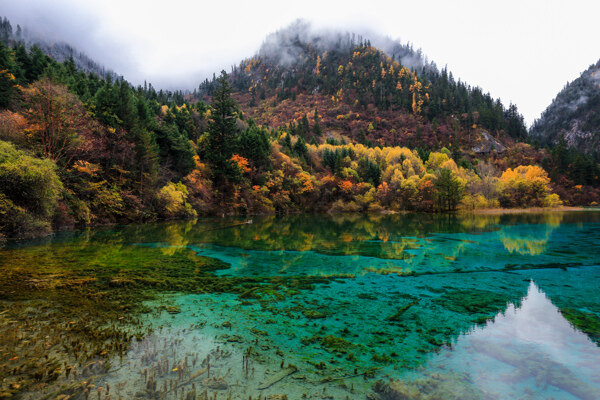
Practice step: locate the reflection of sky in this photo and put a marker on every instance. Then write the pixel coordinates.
(537, 323)
(509, 355)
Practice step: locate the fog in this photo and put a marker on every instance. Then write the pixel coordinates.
(521, 51)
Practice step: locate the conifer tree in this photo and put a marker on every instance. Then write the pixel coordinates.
(7, 79)
(317, 126)
(222, 133)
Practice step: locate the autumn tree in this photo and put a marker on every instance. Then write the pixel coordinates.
(173, 203)
(12, 126)
(56, 119)
(525, 186)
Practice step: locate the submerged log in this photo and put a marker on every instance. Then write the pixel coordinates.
(401, 311)
(278, 376)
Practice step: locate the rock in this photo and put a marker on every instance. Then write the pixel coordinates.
(171, 309)
(233, 338)
(395, 390)
(487, 144)
(215, 383)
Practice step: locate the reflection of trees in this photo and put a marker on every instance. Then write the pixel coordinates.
(531, 239)
(378, 235)
(475, 222)
(176, 235)
(525, 246)
(381, 236)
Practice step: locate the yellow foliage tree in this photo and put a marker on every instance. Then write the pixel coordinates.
(173, 201)
(525, 186)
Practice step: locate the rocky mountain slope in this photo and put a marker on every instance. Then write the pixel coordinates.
(574, 115)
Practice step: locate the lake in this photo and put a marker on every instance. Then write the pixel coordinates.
(402, 306)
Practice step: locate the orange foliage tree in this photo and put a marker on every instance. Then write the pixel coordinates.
(56, 120)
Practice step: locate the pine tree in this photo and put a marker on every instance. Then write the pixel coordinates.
(300, 148)
(449, 190)
(222, 133)
(7, 79)
(317, 126)
(254, 145)
(303, 127)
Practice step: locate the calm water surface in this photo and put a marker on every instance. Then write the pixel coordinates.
(334, 307)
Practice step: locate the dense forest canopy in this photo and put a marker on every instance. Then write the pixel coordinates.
(322, 126)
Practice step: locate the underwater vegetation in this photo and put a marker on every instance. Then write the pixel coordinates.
(65, 308)
(586, 322)
(379, 307)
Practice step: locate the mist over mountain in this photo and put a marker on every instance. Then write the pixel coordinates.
(288, 45)
(574, 115)
(58, 50)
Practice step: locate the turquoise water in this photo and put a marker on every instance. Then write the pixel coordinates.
(405, 306)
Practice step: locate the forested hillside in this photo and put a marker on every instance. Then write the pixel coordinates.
(324, 126)
(397, 96)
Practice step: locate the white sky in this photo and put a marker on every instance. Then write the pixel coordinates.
(523, 51)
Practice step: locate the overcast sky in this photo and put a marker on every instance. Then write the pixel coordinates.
(523, 51)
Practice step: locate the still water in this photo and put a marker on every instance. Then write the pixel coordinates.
(320, 307)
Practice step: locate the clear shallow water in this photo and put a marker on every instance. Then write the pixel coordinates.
(398, 306)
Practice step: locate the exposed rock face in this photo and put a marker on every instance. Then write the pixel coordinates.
(573, 115)
(488, 144)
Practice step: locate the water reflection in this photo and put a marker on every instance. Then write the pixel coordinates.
(388, 244)
(530, 351)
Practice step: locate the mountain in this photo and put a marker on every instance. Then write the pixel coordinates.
(371, 90)
(574, 115)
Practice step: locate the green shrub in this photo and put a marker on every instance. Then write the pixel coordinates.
(29, 192)
(173, 201)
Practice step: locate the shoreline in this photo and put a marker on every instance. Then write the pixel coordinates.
(486, 211)
(529, 210)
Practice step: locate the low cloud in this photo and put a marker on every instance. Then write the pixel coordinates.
(287, 45)
(80, 28)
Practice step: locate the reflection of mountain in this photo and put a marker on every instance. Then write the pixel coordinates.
(526, 352)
